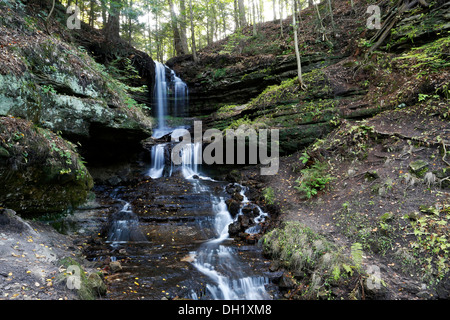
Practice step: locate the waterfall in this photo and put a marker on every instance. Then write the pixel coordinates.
(180, 96)
(218, 262)
(160, 98)
(157, 155)
(125, 226)
(190, 160)
(170, 98)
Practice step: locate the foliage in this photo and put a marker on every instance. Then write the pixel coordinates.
(308, 253)
(431, 231)
(432, 56)
(313, 179)
(269, 195)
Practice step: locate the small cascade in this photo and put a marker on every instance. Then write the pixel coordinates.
(219, 263)
(258, 220)
(125, 227)
(190, 160)
(158, 159)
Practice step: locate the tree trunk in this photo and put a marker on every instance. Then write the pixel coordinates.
(92, 13)
(104, 16)
(331, 13)
(176, 33)
(129, 23)
(297, 51)
(182, 19)
(236, 15)
(112, 27)
(274, 10)
(194, 49)
(242, 18)
(281, 17)
(254, 18)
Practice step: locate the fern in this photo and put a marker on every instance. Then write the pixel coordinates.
(357, 254)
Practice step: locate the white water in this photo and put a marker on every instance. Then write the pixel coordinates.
(214, 259)
(218, 262)
(160, 96)
(180, 94)
(125, 227)
(157, 156)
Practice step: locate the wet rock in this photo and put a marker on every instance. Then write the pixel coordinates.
(233, 206)
(233, 176)
(418, 167)
(238, 196)
(115, 266)
(42, 176)
(244, 221)
(96, 284)
(286, 281)
(250, 210)
(233, 188)
(234, 228)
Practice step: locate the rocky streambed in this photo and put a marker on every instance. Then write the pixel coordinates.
(174, 238)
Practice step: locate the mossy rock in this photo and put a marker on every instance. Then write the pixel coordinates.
(419, 168)
(42, 173)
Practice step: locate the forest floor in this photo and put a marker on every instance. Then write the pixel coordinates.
(374, 198)
(29, 256)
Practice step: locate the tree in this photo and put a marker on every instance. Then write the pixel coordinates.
(242, 18)
(112, 26)
(297, 52)
(182, 20)
(176, 33)
(194, 49)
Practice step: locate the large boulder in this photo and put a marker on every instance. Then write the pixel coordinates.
(39, 171)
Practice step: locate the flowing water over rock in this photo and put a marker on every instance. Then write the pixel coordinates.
(171, 231)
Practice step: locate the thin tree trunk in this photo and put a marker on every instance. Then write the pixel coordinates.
(194, 49)
(274, 10)
(236, 15)
(129, 23)
(182, 19)
(297, 51)
(281, 17)
(331, 13)
(242, 19)
(254, 18)
(149, 38)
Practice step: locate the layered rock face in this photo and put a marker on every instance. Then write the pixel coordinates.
(52, 92)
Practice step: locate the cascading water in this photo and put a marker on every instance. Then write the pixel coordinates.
(180, 96)
(160, 98)
(125, 227)
(158, 160)
(218, 262)
(228, 277)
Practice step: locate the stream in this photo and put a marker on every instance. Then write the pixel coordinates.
(170, 231)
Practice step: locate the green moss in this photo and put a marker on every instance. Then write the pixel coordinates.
(44, 172)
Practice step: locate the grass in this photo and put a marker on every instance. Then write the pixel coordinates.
(315, 260)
